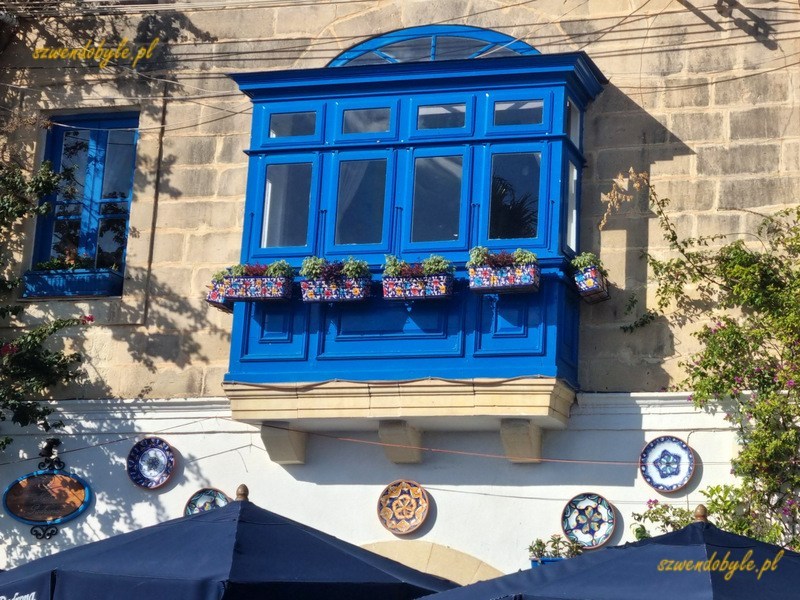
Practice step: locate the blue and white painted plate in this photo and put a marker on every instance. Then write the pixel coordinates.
(667, 464)
(151, 463)
(589, 519)
(204, 500)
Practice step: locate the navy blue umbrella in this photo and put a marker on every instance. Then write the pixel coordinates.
(238, 552)
(699, 562)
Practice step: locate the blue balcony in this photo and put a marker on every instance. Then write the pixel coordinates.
(414, 159)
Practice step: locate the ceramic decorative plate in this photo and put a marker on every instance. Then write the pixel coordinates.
(151, 463)
(667, 463)
(403, 506)
(205, 500)
(588, 519)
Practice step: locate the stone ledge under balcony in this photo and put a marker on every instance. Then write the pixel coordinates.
(432, 404)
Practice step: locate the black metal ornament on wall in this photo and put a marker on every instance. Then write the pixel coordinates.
(50, 455)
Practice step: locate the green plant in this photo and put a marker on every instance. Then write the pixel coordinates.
(746, 298)
(666, 517)
(588, 259)
(355, 269)
(437, 265)
(556, 547)
(29, 365)
(311, 267)
(280, 268)
(524, 257)
(393, 267)
(65, 263)
(480, 256)
(314, 267)
(433, 265)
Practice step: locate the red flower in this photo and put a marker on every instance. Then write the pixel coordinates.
(7, 349)
(87, 319)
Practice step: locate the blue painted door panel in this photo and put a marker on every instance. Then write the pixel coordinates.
(466, 336)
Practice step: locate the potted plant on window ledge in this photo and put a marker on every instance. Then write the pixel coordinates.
(432, 278)
(590, 277)
(555, 549)
(250, 282)
(504, 271)
(71, 275)
(337, 281)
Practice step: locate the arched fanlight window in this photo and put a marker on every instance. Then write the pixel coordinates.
(432, 43)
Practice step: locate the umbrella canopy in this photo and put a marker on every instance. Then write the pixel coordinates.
(699, 562)
(238, 552)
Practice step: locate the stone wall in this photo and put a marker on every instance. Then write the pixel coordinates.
(706, 102)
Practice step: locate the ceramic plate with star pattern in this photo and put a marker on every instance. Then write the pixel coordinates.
(588, 519)
(667, 464)
(151, 463)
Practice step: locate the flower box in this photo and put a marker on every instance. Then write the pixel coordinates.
(518, 278)
(72, 283)
(592, 284)
(411, 288)
(223, 293)
(538, 562)
(343, 289)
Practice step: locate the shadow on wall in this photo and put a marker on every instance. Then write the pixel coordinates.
(95, 445)
(619, 135)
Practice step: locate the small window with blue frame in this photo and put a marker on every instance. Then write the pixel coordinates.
(81, 241)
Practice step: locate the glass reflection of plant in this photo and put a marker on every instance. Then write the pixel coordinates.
(509, 216)
(112, 236)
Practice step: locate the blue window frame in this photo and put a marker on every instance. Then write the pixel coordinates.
(90, 229)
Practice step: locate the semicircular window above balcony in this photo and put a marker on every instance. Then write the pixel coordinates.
(432, 43)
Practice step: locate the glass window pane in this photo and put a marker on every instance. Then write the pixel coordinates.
(120, 163)
(499, 52)
(114, 208)
(368, 58)
(574, 123)
(286, 205)
(75, 157)
(66, 238)
(361, 199)
(366, 120)
(518, 112)
(111, 241)
(514, 204)
(68, 210)
(572, 208)
(437, 198)
(455, 47)
(292, 124)
(442, 116)
(413, 50)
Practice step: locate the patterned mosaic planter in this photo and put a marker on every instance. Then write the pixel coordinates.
(592, 285)
(223, 293)
(522, 278)
(412, 288)
(339, 290)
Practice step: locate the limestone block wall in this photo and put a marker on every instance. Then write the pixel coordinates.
(705, 101)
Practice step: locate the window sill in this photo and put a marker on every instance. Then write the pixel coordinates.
(76, 283)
